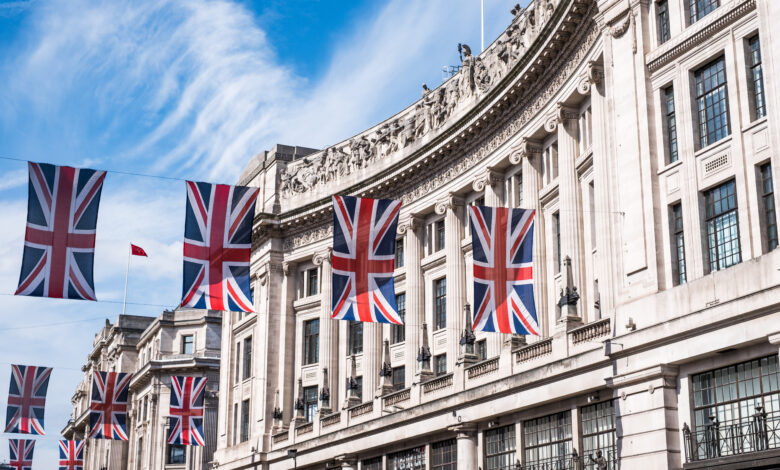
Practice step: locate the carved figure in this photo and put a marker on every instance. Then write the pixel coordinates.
(600, 461)
(466, 80)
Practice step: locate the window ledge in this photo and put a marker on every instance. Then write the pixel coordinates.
(433, 259)
(669, 167)
(715, 147)
(306, 302)
(751, 125)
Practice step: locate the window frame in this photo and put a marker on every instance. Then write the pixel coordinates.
(677, 232)
(399, 384)
(758, 108)
(671, 138)
(440, 235)
(398, 332)
(701, 75)
(400, 252)
(440, 303)
(555, 425)
(447, 451)
(663, 26)
(501, 446)
(245, 420)
(598, 434)
(694, 13)
(184, 344)
(311, 352)
(247, 358)
(713, 221)
(169, 457)
(438, 360)
(310, 403)
(768, 210)
(352, 345)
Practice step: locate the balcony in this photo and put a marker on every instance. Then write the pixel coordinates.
(748, 443)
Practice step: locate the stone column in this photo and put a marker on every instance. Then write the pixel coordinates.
(452, 207)
(372, 358)
(529, 154)
(411, 227)
(466, 435)
(329, 334)
(346, 462)
(565, 122)
(287, 343)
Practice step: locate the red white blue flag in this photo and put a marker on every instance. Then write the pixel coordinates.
(27, 399)
(71, 455)
(503, 272)
(186, 420)
(364, 259)
(217, 246)
(108, 405)
(21, 457)
(59, 243)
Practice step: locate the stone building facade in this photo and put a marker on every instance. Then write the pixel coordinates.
(180, 342)
(641, 131)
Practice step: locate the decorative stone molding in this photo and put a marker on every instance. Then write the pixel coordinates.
(451, 201)
(308, 237)
(288, 268)
(410, 222)
(322, 256)
(593, 75)
(490, 177)
(561, 115)
(526, 148)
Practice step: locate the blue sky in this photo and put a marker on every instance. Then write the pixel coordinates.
(189, 89)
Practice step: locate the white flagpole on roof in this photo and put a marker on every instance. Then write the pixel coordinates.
(127, 273)
(483, 24)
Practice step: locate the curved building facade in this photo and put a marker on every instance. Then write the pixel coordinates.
(641, 131)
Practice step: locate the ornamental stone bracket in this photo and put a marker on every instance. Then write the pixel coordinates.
(526, 148)
(321, 256)
(593, 75)
(450, 201)
(411, 222)
(560, 115)
(490, 177)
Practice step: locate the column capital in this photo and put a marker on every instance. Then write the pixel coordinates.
(449, 201)
(593, 75)
(288, 268)
(464, 430)
(562, 114)
(774, 338)
(410, 223)
(525, 148)
(489, 177)
(322, 256)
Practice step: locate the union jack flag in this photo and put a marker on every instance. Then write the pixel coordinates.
(21, 457)
(217, 246)
(71, 455)
(27, 399)
(108, 407)
(59, 243)
(503, 272)
(186, 421)
(364, 259)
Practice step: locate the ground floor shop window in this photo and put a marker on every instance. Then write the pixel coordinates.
(410, 459)
(598, 435)
(444, 455)
(547, 442)
(500, 448)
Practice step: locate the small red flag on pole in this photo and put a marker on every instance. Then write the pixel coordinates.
(136, 250)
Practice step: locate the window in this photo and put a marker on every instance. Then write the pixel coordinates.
(176, 454)
(731, 397)
(399, 378)
(598, 433)
(678, 245)
(670, 125)
(662, 18)
(444, 455)
(440, 303)
(247, 357)
(146, 408)
(557, 227)
(481, 349)
(768, 202)
(187, 343)
(312, 286)
(355, 337)
(757, 76)
(359, 387)
(440, 234)
(500, 448)
(235, 423)
(399, 253)
(309, 403)
(722, 226)
(410, 459)
(698, 9)
(712, 102)
(550, 162)
(237, 377)
(585, 129)
(548, 441)
(244, 420)
(518, 178)
(372, 464)
(398, 332)
(440, 364)
(311, 342)
(139, 454)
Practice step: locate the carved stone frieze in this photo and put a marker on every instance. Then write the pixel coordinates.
(308, 237)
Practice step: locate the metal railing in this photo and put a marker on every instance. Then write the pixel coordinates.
(755, 433)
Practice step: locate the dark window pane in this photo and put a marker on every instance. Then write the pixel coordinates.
(311, 342)
(548, 441)
(355, 337)
(399, 253)
(440, 293)
(598, 434)
(444, 455)
(757, 74)
(664, 33)
(768, 200)
(245, 421)
(678, 244)
(671, 125)
(247, 357)
(698, 9)
(309, 403)
(399, 378)
(398, 332)
(176, 454)
(712, 106)
(723, 246)
(500, 448)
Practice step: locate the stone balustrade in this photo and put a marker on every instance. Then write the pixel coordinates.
(397, 397)
(534, 350)
(482, 368)
(281, 437)
(438, 383)
(330, 420)
(304, 429)
(360, 410)
(591, 331)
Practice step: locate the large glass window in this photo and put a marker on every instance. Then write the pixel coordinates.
(187, 344)
(359, 387)
(556, 219)
(312, 286)
(309, 403)
(500, 448)
(235, 423)
(440, 232)
(768, 202)
(245, 420)
(757, 75)
(237, 375)
(444, 455)
(550, 162)
(671, 125)
(311, 342)
(678, 244)
(398, 332)
(722, 226)
(440, 364)
(440, 303)
(372, 464)
(598, 435)
(247, 357)
(712, 102)
(480, 349)
(698, 9)
(548, 441)
(176, 454)
(410, 459)
(736, 409)
(662, 15)
(399, 253)
(355, 337)
(399, 378)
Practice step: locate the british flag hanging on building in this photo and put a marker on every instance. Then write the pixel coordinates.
(186, 421)
(27, 399)
(217, 246)
(364, 259)
(71, 455)
(21, 457)
(108, 405)
(59, 242)
(503, 273)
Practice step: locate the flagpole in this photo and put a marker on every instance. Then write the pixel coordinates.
(127, 273)
(483, 24)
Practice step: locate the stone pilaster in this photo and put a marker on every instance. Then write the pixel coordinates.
(411, 227)
(287, 342)
(329, 332)
(453, 210)
(385, 372)
(466, 435)
(372, 358)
